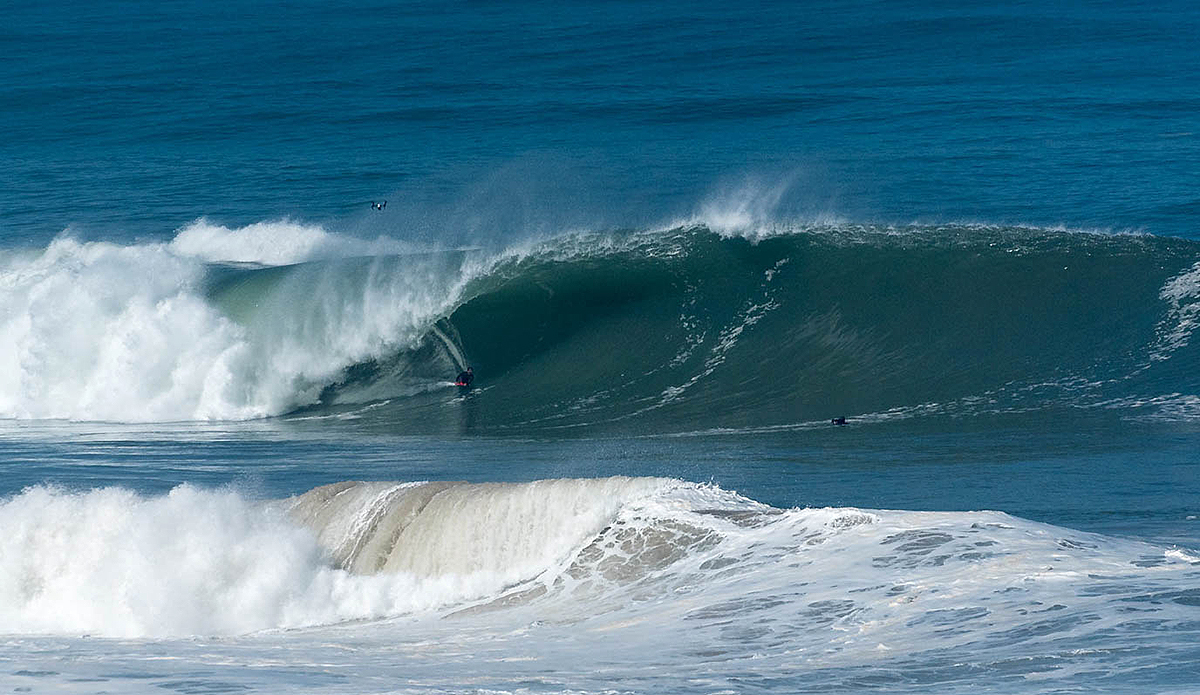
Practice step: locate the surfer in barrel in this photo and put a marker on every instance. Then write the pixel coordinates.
(465, 378)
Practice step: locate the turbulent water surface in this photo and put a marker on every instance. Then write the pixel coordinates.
(679, 244)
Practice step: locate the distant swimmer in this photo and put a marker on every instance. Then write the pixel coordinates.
(465, 378)
(838, 421)
(379, 206)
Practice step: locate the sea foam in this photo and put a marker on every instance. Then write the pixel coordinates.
(661, 562)
(112, 562)
(278, 242)
(99, 331)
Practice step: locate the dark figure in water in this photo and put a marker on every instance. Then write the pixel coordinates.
(465, 378)
(379, 206)
(838, 421)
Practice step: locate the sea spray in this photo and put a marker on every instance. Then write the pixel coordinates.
(688, 568)
(956, 320)
(279, 242)
(193, 561)
(111, 562)
(100, 331)
(97, 331)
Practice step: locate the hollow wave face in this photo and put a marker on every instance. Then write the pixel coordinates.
(691, 330)
(676, 330)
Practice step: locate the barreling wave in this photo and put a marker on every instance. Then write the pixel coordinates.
(684, 329)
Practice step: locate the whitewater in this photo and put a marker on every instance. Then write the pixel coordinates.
(123, 358)
(575, 580)
(843, 348)
(266, 320)
(95, 330)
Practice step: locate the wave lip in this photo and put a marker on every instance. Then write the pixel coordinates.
(665, 561)
(507, 531)
(273, 243)
(100, 331)
(859, 319)
(153, 333)
(266, 243)
(112, 562)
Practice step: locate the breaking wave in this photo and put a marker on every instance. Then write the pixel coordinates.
(675, 330)
(664, 561)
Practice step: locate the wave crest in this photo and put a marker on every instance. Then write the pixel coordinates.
(674, 557)
(274, 243)
(860, 319)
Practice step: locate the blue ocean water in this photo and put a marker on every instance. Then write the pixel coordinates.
(675, 241)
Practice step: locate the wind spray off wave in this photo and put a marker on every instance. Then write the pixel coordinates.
(870, 321)
(98, 331)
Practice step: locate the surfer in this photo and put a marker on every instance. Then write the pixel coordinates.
(465, 378)
(838, 421)
(379, 206)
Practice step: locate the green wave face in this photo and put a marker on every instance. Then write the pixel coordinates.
(688, 329)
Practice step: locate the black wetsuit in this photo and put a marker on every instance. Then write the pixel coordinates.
(464, 378)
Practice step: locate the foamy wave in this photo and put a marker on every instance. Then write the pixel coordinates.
(115, 563)
(1182, 555)
(98, 331)
(280, 242)
(1182, 295)
(512, 532)
(690, 562)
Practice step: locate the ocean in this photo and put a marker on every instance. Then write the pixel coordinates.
(819, 347)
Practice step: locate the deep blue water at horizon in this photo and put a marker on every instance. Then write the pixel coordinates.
(674, 239)
(131, 119)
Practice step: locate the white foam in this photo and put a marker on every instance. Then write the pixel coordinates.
(279, 242)
(1182, 295)
(112, 562)
(1182, 555)
(596, 580)
(99, 331)
(752, 210)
